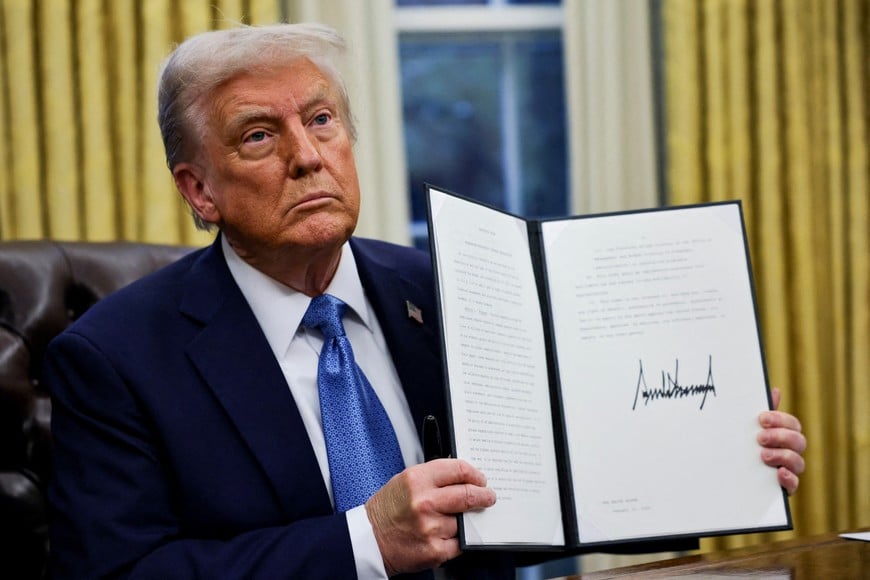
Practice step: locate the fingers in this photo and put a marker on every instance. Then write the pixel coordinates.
(782, 447)
(453, 471)
(786, 458)
(789, 465)
(779, 419)
(461, 487)
(459, 499)
(788, 480)
(782, 438)
(783, 443)
(414, 515)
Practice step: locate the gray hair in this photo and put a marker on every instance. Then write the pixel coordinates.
(204, 61)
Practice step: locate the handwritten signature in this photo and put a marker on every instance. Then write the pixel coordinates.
(671, 387)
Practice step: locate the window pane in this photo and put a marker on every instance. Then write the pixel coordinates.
(542, 129)
(485, 117)
(451, 112)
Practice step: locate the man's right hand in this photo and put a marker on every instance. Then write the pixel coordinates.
(414, 515)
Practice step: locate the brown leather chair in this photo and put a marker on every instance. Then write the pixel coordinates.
(44, 287)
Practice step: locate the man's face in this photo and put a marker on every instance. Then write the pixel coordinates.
(275, 169)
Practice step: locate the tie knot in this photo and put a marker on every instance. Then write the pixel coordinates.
(325, 312)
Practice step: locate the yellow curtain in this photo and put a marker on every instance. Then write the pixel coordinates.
(80, 152)
(769, 102)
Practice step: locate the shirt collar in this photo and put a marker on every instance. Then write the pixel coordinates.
(279, 309)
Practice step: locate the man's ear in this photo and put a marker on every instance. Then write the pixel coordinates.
(189, 180)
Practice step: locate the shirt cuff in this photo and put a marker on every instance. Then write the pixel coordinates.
(366, 554)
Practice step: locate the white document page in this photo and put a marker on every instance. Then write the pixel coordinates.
(661, 374)
(497, 370)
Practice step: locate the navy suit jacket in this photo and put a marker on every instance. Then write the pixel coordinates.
(179, 451)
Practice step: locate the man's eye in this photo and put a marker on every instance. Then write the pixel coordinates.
(256, 137)
(321, 119)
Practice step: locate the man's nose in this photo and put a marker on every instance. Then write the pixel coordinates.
(303, 152)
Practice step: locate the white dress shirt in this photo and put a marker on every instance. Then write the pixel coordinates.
(279, 311)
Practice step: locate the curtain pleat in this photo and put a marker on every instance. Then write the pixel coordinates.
(766, 102)
(98, 164)
(681, 37)
(714, 38)
(162, 220)
(263, 11)
(229, 13)
(24, 201)
(125, 99)
(61, 173)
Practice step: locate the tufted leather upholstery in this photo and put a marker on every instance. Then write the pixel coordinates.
(44, 287)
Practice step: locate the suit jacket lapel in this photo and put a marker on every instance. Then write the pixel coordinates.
(235, 360)
(414, 346)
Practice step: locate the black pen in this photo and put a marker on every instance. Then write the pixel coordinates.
(431, 439)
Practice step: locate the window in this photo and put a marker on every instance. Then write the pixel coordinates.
(484, 104)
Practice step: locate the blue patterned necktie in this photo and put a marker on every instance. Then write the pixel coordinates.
(361, 446)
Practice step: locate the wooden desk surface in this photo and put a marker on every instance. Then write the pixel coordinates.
(827, 556)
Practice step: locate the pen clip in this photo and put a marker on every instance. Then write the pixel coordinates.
(431, 439)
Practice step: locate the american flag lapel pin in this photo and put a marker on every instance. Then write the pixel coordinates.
(414, 312)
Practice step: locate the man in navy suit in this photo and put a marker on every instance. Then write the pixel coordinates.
(188, 441)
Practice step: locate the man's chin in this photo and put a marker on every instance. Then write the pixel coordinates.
(325, 236)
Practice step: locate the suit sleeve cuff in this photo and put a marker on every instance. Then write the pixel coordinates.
(366, 554)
